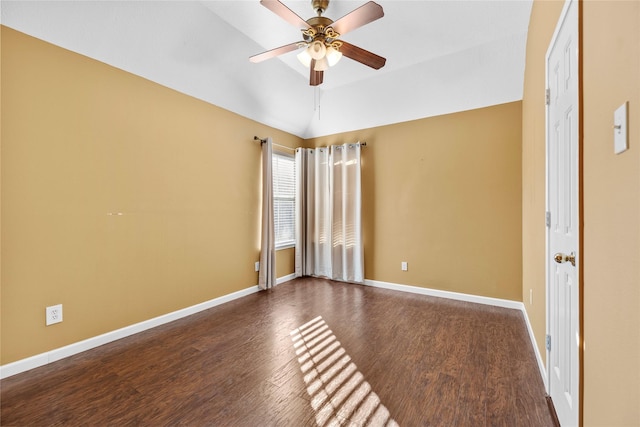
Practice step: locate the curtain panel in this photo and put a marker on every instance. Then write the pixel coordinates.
(328, 213)
(267, 274)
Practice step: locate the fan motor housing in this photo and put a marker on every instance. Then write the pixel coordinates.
(319, 22)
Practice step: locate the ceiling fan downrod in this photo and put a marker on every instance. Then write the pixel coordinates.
(319, 23)
(320, 6)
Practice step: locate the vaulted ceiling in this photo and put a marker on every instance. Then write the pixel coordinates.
(442, 56)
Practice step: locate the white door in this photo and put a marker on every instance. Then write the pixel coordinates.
(563, 258)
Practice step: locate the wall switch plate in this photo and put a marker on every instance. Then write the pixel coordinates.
(404, 266)
(620, 127)
(54, 314)
(257, 266)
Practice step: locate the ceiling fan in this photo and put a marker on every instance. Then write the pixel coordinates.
(322, 47)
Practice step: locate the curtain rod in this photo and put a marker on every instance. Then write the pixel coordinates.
(263, 140)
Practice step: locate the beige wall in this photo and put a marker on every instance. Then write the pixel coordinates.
(0, 200)
(443, 194)
(611, 46)
(82, 140)
(611, 203)
(285, 262)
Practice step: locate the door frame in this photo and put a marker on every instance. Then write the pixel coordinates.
(579, 176)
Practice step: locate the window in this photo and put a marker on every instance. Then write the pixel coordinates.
(284, 200)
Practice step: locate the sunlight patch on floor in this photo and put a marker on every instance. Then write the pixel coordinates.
(339, 393)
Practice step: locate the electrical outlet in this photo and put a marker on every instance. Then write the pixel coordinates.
(257, 267)
(54, 314)
(404, 266)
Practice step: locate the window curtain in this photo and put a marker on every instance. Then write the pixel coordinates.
(267, 274)
(328, 213)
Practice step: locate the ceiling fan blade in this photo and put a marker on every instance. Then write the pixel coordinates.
(363, 56)
(285, 13)
(363, 15)
(315, 77)
(274, 52)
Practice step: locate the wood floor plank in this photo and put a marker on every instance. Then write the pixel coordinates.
(472, 401)
(501, 390)
(370, 357)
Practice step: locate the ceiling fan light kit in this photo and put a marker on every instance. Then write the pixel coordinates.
(322, 49)
(317, 49)
(321, 64)
(333, 56)
(304, 58)
(325, 56)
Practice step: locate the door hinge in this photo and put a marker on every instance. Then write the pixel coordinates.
(547, 96)
(547, 219)
(548, 342)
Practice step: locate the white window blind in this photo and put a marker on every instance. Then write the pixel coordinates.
(284, 199)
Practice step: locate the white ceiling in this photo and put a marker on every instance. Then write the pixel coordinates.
(442, 56)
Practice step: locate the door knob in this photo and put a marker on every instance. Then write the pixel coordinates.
(560, 258)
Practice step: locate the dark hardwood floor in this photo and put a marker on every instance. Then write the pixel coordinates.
(310, 352)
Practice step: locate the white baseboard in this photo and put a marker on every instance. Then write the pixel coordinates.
(532, 337)
(517, 305)
(283, 279)
(446, 294)
(60, 353)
